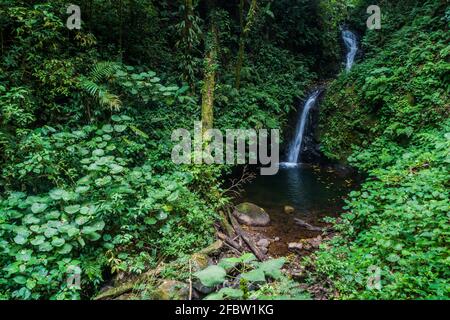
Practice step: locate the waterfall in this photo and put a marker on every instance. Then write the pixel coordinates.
(295, 147)
(352, 47)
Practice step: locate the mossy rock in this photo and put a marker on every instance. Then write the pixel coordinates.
(171, 290)
(199, 261)
(289, 209)
(251, 215)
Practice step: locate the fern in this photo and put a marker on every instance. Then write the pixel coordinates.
(91, 84)
(103, 70)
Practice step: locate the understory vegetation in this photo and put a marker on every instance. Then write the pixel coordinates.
(86, 118)
(390, 118)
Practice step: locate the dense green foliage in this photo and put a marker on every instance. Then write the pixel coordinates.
(390, 115)
(86, 118)
(256, 280)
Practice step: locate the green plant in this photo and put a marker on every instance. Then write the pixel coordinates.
(245, 278)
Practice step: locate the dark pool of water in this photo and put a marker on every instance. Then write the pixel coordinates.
(315, 192)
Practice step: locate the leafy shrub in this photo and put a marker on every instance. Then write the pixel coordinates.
(245, 278)
(389, 117)
(86, 192)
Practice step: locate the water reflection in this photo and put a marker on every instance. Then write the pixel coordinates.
(314, 192)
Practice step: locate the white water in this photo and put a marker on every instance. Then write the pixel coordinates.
(296, 144)
(294, 152)
(352, 47)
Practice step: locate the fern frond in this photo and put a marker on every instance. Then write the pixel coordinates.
(100, 93)
(103, 70)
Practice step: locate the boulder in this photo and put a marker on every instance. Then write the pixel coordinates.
(199, 261)
(289, 209)
(200, 288)
(263, 243)
(315, 242)
(295, 246)
(251, 215)
(171, 290)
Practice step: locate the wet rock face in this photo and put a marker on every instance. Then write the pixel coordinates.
(310, 148)
(251, 215)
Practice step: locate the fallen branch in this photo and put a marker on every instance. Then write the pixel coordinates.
(225, 224)
(128, 286)
(229, 241)
(247, 240)
(307, 225)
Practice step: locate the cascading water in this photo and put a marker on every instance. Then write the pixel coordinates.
(315, 192)
(295, 148)
(352, 47)
(294, 153)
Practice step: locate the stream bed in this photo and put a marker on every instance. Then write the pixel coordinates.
(313, 191)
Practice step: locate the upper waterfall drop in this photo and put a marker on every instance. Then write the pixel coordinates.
(351, 42)
(294, 153)
(295, 147)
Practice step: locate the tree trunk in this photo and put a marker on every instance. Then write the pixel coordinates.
(209, 79)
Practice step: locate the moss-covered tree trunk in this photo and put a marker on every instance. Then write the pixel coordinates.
(209, 79)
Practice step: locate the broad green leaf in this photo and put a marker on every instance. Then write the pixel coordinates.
(214, 296)
(150, 221)
(232, 293)
(120, 128)
(82, 189)
(20, 239)
(57, 194)
(80, 220)
(72, 209)
(58, 242)
(38, 207)
(20, 279)
(272, 268)
(50, 232)
(30, 219)
(393, 257)
(45, 247)
(52, 215)
(173, 196)
(256, 275)
(211, 276)
(65, 249)
(107, 128)
(38, 240)
(248, 257)
(98, 153)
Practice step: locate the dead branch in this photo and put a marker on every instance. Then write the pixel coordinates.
(305, 224)
(247, 240)
(237, 184)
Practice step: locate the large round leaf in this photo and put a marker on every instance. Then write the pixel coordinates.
(211, 276)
